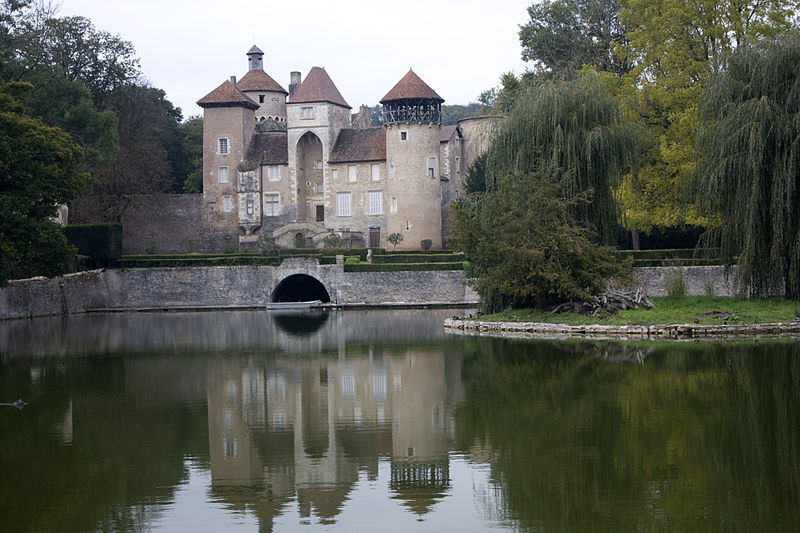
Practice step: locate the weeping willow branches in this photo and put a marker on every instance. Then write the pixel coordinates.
(749, 173)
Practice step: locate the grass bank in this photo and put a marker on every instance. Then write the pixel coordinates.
(704, 310)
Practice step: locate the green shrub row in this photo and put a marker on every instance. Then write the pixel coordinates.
(417, 258)
(677, 253)
(192, 261)
(401, 267)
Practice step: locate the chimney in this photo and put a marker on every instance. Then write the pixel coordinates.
(294, 83)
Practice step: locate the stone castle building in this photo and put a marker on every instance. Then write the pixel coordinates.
(300, 164)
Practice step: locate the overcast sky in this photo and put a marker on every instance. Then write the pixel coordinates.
(187, 48)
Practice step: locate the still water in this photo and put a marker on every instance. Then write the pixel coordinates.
(381, 421)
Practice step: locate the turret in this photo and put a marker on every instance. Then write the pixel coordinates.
(262, 89)
(412, 115)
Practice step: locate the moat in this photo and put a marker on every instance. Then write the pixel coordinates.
(380, 420)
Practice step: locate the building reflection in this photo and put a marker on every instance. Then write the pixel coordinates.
(305, 430)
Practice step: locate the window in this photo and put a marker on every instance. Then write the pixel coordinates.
(343, 204)
(458, 164)
(393, 205)
(403, 135)
(317, 165)
(222, 173)
(376, 172)
(335, 173)
(351, 173)
(227, 204)
(223, 146)
(432, 167)
(250, 204)
(319, 187)
(307, 112)
(274, 173)
(260, 98)
(272, 204)
(375, 202)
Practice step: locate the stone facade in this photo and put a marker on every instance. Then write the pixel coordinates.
(337, 173)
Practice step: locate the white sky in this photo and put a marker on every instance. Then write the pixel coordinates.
(188, 47)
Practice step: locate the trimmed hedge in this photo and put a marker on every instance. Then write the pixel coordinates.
(418, 258)
(401, 267)
(100, 243)
(191, 261)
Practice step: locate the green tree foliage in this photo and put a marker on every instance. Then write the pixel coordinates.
(38, 170)
(749, 173)
(188, 166)
(533, 235)
(76, 50)
(572, 129)
(395, 239)
(670, 44)
(564, 35)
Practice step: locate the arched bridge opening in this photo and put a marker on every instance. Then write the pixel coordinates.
(300, 288)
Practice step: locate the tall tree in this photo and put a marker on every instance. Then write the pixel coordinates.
(531, 227)
(670, 45)
(38, 171)
(749, 173)
(564, 35)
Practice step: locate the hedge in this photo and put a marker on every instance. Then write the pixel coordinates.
(191, 261)
(101, 243)
(418, 258)
(401, 267)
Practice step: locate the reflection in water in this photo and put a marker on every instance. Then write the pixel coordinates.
(378, 420)
(300, 322)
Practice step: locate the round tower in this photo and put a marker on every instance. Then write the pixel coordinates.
(262, 89)
(412, 115)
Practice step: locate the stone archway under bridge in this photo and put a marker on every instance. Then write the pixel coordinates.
(300, 288)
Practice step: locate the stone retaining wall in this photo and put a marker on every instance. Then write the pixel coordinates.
(597, 331)
(224, 287)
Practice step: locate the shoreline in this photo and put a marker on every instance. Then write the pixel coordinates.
(599, 331)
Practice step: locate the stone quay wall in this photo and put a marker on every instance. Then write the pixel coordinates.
(224, 288)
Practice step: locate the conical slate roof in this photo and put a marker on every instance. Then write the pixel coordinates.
(255, 50)
(411, 87)
(258, 80)
(318, 87)
(227, 95)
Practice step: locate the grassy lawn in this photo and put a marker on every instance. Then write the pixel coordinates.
(709, 310)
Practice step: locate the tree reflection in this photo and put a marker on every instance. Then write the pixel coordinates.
(696, 437)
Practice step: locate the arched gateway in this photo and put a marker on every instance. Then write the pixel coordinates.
(300, 288)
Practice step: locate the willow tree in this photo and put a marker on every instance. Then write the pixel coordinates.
(533, 230)
(749, 173)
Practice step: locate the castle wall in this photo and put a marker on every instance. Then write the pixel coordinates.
(477, 134)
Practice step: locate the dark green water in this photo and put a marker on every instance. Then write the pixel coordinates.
(380, 421)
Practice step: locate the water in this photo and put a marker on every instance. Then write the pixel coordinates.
(381, 421)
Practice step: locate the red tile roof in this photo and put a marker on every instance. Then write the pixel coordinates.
(227, 95)
(411, 87)
(363, 144)
(258, 80)
(318, 87)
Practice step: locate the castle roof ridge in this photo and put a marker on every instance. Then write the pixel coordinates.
(258, 80)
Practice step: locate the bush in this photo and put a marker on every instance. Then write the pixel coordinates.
(395, 239)
(674, 283)
(332, 241)
(426, 244)
(101, 243)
